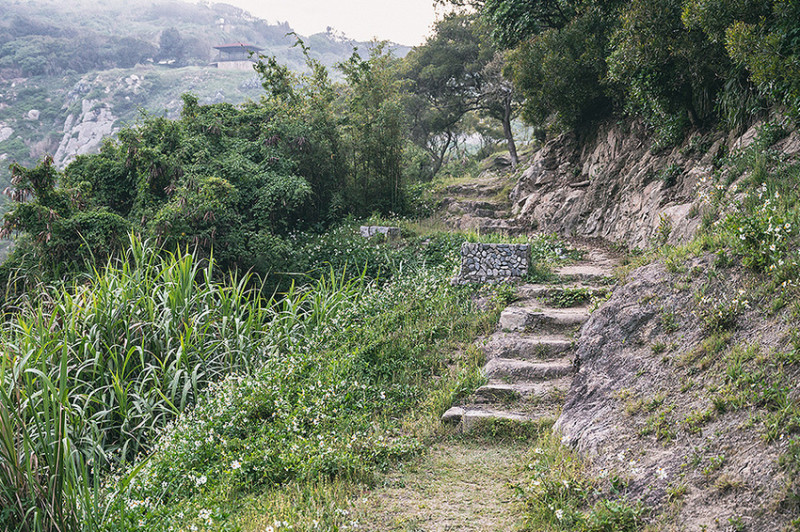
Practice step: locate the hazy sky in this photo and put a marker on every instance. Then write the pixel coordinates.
(401, 21)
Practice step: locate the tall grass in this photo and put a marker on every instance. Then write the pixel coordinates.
(88, 375)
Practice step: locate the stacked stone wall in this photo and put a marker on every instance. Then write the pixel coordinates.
(482, 263)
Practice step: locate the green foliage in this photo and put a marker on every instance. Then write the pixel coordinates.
(515, 21)
(443, 80)
(669, 72)
(374, 134)
(63, 235)
(559, 493)
(560, 72)
(170, 45)
(669, 175)
(674, 63)
(570, 297)
(310, 389)
(615, 516)
(234, 180)
(768, 47)
(763, 231)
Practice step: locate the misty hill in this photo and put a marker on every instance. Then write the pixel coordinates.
(71, 74)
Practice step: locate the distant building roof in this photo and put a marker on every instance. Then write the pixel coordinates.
(230, 47)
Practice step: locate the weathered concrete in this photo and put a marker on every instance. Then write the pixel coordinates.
(368, 231)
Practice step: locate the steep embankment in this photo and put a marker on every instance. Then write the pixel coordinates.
(685, 393)
(685, 399)
(609, 185)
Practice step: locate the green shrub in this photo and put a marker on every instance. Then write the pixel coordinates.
(762, 230)
(560, 72)
(615, 516)
(669, 175)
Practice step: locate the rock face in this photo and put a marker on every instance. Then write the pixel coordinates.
(5, 132)
(641, 405)
(611, 186)
(85, 132)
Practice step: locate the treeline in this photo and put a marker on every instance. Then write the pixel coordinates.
(673, 63)
(235, 180)
(41, 39)
(34, 48)
(241, 180)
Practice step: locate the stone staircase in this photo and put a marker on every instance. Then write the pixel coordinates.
(480, 205)
(529, 359)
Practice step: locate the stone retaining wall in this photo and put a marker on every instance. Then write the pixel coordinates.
(481, 263)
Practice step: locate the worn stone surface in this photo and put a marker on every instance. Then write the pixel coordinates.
(498, 390)
(5, 132)
(515, 370)
(368, 231)
(520, 317)
(608, 186)
(526, 346)
(85, 132)
(620, 369)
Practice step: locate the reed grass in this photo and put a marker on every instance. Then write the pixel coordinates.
(89, 374)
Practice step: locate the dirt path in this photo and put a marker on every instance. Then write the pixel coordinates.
(455, 486)
(462, 483)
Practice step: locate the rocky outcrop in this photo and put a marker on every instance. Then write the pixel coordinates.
(85, 132)
(612, 186)
(643, 408)
(5, 132)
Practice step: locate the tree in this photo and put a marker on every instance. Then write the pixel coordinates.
(170, 45)
(373, 132)
(500, 100)
(513, 21)
(561, 73)
(444, 81)
(129, 51)
(762, 38)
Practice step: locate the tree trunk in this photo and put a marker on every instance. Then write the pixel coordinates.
(438, 157)
(512, 147)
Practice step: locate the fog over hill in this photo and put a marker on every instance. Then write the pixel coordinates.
(74, 73)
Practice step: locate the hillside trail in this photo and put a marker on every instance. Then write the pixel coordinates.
(462, 482)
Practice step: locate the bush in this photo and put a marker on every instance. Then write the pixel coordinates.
(560, 73)
(762, 230)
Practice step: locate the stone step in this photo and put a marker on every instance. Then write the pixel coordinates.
(513, 370)
(523, 318)
(525, 346)
(498, 391)
(486, 189)
(585, 272)
(472, 416)
(542, 292)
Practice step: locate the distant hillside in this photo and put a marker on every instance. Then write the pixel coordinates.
(72, 74)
